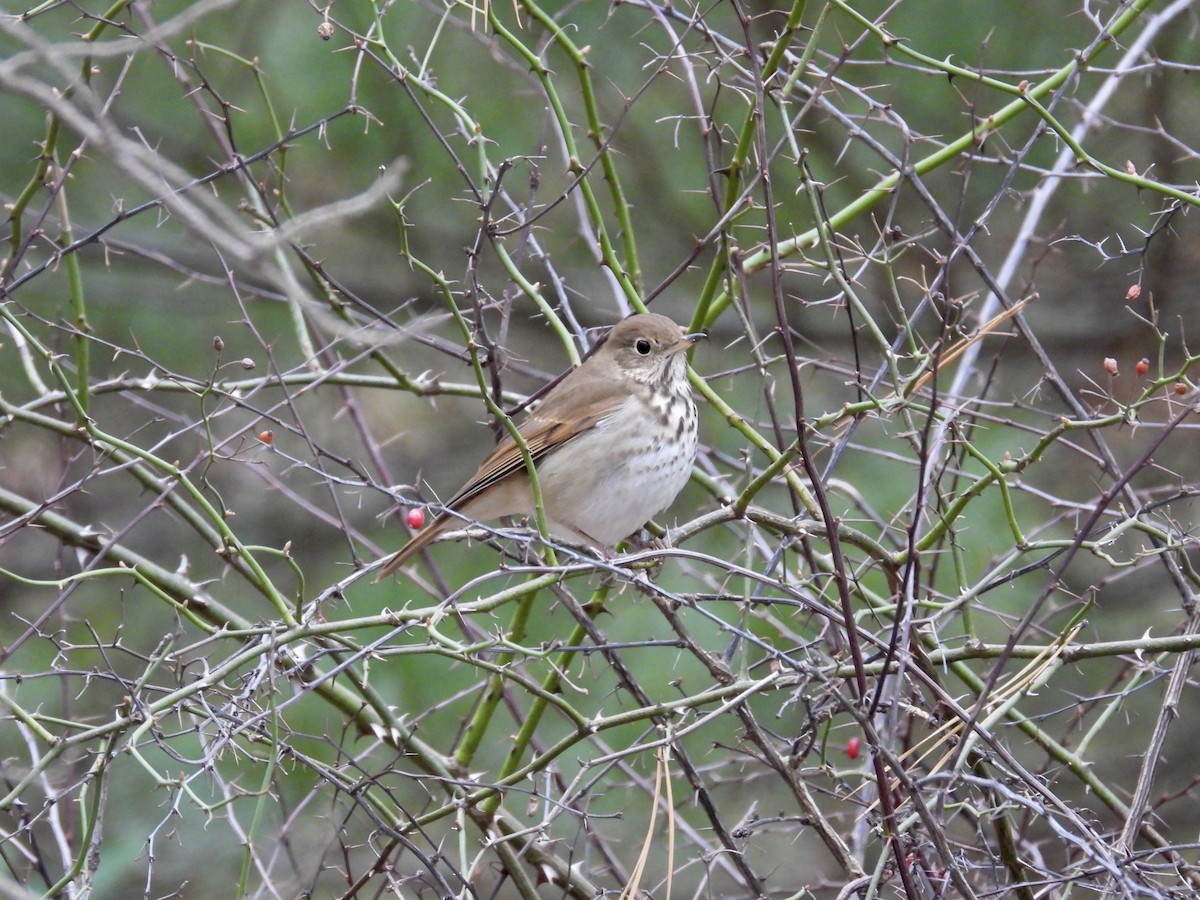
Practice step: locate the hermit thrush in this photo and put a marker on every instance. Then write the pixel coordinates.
(612, 444)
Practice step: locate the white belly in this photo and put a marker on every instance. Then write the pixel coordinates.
(605, 484)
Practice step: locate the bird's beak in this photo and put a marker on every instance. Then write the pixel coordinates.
(695, 336)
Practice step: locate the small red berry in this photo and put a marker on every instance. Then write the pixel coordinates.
(1135, 291)
(266, 437)
(1142, 367)
(415, 518)
(852, 746)
(1180, 388)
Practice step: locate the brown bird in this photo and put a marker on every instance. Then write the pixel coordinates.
(613, 445)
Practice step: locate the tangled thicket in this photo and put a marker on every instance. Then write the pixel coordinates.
(922, 622)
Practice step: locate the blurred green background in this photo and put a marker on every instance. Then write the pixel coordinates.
(240, 120)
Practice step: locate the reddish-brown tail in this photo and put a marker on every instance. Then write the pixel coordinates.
(415, 545)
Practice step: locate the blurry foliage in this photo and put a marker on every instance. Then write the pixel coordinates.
(922, 630)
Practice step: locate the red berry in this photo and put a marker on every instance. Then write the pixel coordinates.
(1180, 388)
(1135, 291)
(1142, 367)
(266, 437)
(852, 748)
(415, 518)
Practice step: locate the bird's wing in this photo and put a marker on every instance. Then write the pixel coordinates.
(571, 409)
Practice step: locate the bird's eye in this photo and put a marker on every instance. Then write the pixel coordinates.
(642, 347)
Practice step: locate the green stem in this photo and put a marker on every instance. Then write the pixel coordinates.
(627, 274)
(533, 716)
(485, 710)
(885, 187)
